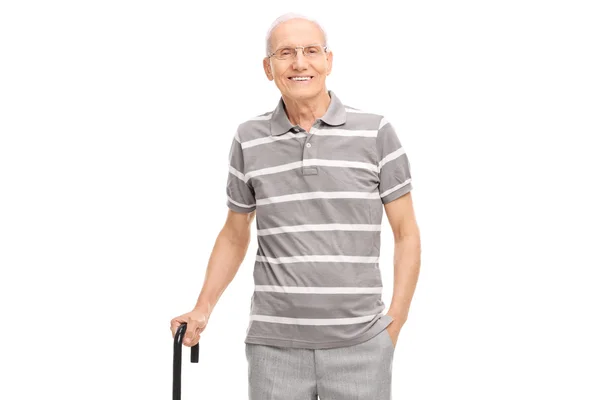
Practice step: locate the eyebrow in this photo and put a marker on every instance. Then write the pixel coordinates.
(290, 45)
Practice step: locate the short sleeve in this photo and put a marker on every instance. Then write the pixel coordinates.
(394, 167)
(240, 195)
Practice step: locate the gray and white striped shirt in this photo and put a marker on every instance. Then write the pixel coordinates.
(318, 198)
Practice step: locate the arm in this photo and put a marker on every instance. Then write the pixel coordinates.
(395, 185)
(407, 255)
(229, 250)
(233, 240)
(227, 255)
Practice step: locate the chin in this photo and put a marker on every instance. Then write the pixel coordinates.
(303, 94)
(304, 91)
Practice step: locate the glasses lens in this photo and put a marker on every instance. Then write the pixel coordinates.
(284, 53)
(312, 51)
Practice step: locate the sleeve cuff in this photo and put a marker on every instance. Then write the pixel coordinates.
(239, 207)
(399, 192)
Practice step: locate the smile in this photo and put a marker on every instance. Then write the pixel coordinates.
(301, 78)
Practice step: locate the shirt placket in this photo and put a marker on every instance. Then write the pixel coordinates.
(308, 149)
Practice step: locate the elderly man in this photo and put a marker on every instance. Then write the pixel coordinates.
(317, 175)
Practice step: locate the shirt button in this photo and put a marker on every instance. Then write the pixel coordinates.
(295, 130)
(308, 145)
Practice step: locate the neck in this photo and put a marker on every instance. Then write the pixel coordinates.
(304, 112)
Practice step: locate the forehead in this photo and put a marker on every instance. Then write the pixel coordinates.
(296, 32)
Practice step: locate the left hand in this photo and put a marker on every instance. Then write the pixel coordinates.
(394, 328)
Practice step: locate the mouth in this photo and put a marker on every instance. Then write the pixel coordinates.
(302, 78)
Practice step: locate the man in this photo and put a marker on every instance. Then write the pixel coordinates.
(315, 173)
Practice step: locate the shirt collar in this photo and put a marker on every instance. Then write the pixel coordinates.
(335, 115)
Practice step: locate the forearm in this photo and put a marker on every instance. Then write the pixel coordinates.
(407, 264)
(225, 260)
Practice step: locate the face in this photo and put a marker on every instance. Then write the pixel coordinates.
(298, 32)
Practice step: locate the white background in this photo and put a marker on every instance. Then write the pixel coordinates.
(116, 119)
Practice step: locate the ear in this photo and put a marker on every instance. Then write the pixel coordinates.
(267, 68)
(329, 62)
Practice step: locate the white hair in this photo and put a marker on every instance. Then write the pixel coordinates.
(286, 17)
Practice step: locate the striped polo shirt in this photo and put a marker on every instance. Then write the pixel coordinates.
(319, 198)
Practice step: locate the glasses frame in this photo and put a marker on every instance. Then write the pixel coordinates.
(296, 51)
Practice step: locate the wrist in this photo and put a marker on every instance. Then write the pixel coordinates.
(398, 315)
(204, 307)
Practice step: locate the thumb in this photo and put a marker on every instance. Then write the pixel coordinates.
(196, 326)
(190, 332)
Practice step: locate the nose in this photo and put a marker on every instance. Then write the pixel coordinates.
(299, 61)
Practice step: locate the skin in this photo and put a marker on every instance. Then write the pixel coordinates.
(407, 260)
(304, 104)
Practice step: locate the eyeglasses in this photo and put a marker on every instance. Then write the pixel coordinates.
(311, 51)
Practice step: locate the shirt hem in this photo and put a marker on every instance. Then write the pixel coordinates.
(379, 326)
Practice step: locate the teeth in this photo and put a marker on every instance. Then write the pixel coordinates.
(301, 79)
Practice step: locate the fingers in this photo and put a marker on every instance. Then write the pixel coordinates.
(192, 333)
(175, 323)
(195, 325)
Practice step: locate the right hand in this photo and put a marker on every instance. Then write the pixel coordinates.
(196, 323)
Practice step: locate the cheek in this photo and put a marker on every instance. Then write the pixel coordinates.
(322, 70)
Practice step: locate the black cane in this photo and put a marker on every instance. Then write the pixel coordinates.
(177, 359)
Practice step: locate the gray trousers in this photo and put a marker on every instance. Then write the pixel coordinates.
(359, 372)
